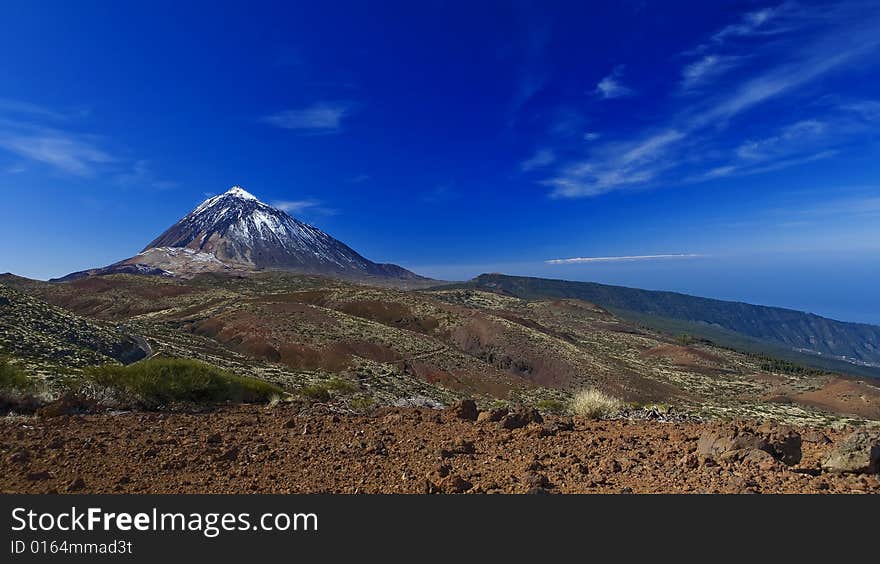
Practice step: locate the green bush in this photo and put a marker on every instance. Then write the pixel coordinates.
(162, 381)
(13, 379)
(362, 403)
(341, 386)
(551, 406)
(315, 392)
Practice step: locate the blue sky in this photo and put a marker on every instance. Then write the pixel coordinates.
(737, 140)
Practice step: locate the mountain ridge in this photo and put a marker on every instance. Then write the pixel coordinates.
(808, 333)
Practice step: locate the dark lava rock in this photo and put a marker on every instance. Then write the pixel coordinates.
(466, 409)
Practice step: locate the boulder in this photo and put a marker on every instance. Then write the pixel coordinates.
(520, 418)
(780, 441)
(493, 415)
(859, 453)
(785, 443)
(715, 443)
(465, 409)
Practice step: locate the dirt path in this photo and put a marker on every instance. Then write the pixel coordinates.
(253, 449)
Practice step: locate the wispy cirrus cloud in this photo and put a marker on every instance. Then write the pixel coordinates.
(587, 260)
(319, 118)
(43, 136)
(64, 151)
(698, 73)
(759, 22)
(8, 106)
(541, 159)
(611, 86)
(651, 155)
(295, 206)
(309, 206)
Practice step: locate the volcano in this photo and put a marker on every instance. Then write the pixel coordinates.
(236, 232)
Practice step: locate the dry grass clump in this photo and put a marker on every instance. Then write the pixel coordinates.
(594, 404)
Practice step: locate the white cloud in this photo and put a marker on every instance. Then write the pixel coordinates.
(63, 151)
(591, 136)
(540, 159)
(584, 260)
(18, 107)
(791, 139)
(611, 86)
(322, 117)
(753, 23)
(295, 206)
(647, 157)
(616, 165)
(709, 67)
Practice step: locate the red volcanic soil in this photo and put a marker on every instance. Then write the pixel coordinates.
(251, 449)
(845, 395)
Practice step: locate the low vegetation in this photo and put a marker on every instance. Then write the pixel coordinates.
(595, 404)
(158, 382)
(13, 379)
(551, 406)
(18, 392)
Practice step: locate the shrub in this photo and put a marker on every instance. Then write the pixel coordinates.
(161, 381)
(362, 403)
(594, 404)
(315, 392)
(18, 393)
(341, 386)
(550, 406)
(13, 379)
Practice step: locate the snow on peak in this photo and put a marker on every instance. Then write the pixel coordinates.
(240, 192)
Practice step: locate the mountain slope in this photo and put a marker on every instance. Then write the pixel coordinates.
(34, 330)
(805, 332)
(237, 232)
(429, 347)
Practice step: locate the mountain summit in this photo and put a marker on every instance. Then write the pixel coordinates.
(235, 231)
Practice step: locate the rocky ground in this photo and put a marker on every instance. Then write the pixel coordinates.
(282, 449)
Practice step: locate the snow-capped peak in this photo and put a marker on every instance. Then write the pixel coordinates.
(240, 192)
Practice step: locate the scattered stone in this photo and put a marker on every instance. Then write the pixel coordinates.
(815, 436)
(780, 441)
(76, 485)
(290, 423)
(714, 443)
(456, 484)
(462, 446)
(465, 409)
(784, 442)
(19, 457)
(689, 461)
(230, 454)
(214, 439)
(38, 476)
(378, 448)
(493, 415)
(55, 444)
(536, 480)
(610, 467)
(520, 418)
(859, 453)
